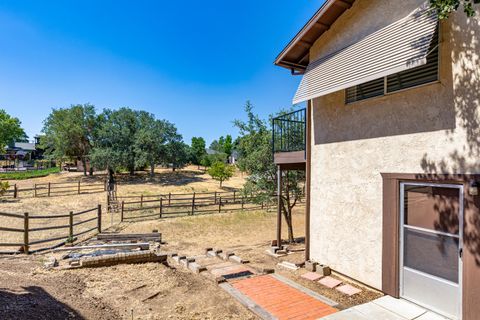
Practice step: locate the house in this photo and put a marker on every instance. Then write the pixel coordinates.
(390, 143)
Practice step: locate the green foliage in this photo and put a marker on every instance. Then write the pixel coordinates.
(3, 187)
(198, 150)
(223, 145)
(115, 146)
(10, 130)
(446, 7)
(178, 154)
(152, 141)
(208, 159)
(221, 172)
(69, 132)
(256, 158)
(22, 175)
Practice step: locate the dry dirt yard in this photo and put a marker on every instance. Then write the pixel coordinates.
(149, 291)
(187, 180)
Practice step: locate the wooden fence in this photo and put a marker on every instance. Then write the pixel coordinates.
(50, 189)
(68, 229)
(185, 204)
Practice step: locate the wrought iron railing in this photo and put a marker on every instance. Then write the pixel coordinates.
(289, 132)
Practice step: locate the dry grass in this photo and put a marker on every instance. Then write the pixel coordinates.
(181, 181)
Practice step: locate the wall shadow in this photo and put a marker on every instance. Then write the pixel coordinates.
(33, 303)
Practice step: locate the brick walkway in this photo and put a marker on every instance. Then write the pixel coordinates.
(282, 300)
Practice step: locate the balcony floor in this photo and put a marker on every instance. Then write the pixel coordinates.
(294, 160)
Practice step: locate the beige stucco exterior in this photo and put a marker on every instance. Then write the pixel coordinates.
(434, 128)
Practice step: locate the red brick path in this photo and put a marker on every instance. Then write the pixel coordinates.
(281, 300)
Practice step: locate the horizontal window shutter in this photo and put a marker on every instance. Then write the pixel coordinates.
(419, 75)
(365, 90)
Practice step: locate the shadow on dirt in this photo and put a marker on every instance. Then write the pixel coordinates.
(33, 303)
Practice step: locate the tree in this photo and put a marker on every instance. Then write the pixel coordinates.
(151, 140)
(177, 153)
(69, 132)
(228, 145)
(221, 172)
(256, 158)
(446, 7)
(10, 130)
(115, 144)
(198, 150)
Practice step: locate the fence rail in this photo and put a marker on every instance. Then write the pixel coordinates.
(50, 189)
(180, 204)
(28, 231)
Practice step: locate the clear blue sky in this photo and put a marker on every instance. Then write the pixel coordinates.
(194, 63)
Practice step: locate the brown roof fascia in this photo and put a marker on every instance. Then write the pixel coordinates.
(300, 43)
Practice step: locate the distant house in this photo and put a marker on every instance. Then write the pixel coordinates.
(390, 144)
(24, 151)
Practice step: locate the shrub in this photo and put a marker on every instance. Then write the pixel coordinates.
(221, 172)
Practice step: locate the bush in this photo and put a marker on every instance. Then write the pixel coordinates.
(3, 187)
(221, 172)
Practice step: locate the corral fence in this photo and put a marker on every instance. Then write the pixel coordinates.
(29, 233)
(51, 189)
(164, 205)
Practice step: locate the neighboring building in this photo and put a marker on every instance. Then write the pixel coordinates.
(390, 144)
(24, 151)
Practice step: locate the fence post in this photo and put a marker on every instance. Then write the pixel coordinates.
(121, 213)
(25, 233)
(161, 205)
(215, 197)
(193, 204)
(234, 196)
(70, 234)
(15, 190)
(108, 202)
(169, 197)
(262, 204)
(78, 186)
(242, 202)
(141, 201)
(99, 218)
(49, 189)
(220, 205)
(35, 194)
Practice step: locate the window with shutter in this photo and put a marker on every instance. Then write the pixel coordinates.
(424, 74)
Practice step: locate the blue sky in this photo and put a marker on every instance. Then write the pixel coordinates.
(194, 63)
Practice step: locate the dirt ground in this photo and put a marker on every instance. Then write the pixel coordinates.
(144, 291)
(150, 291)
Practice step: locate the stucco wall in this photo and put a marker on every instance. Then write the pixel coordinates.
(432, 128)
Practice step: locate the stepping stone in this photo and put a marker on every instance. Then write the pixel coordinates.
(329, 282)
(348, 289)
(313, 276)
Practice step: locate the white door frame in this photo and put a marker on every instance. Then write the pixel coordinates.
(460, 239)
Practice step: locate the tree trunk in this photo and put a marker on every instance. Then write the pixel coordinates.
(84, 162)
(221, 181)
(91, 170)
(152, 169)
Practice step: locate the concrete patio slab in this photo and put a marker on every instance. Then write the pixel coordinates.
(373, 311)
(401, 307)
(348, 289)
(329, 282)
(313, 276)
(431, 316)
(349, 314)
